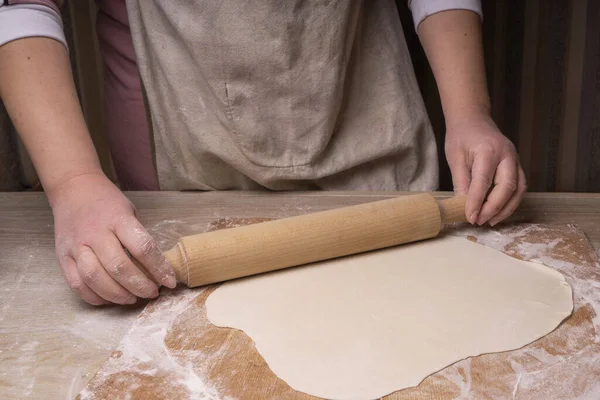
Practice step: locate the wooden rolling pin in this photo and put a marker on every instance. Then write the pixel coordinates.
(268, 246)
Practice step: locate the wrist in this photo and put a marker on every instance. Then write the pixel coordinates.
(463, 113)
(58, 188)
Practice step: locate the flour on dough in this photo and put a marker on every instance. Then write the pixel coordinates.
(365, 326)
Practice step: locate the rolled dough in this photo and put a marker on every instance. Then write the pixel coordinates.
(365, 326)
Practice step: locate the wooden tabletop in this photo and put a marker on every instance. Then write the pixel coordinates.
(51, 343)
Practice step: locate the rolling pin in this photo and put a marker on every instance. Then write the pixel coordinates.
(268, 246)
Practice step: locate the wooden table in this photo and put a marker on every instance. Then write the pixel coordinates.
(51, 343)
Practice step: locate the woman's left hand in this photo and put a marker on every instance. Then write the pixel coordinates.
(481, 157)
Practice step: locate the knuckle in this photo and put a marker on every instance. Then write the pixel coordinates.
(512, 150)
(511, 185)
(486, 149)
(123, 221)
(63, 251)
(163, 267)
(118, 266)
(118, 297)
(96, 302)
(482, 178)
(166, 270)
(75, 285)
(523, 187)
(83, 255)
(146, 246)
(453, 156)
(90, 275)
(494, 208)
(142, 285)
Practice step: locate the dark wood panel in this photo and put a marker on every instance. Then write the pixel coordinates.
(588, 161)
(567, 149)
(9, 156)
(510, 88)
(549, 101)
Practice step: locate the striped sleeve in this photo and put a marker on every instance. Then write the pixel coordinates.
(22, 19)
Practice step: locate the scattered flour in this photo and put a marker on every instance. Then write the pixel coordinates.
(143, 352)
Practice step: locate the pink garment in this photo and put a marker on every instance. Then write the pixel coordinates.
(125, 122)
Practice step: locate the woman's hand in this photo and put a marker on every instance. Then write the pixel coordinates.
(94, 223)
(480, 157)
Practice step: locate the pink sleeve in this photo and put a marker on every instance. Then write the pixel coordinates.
(30, 18)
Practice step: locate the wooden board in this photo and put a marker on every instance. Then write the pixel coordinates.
(52, 344)
(173, 351)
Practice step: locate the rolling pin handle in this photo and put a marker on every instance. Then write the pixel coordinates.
(452, 210)
(176, 257)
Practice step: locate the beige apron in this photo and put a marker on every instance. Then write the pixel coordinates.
(285, 95)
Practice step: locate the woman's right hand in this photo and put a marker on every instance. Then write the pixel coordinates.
(94, 223)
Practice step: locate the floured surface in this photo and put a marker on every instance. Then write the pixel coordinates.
(364, 326)
(147, 361)
(563, 364)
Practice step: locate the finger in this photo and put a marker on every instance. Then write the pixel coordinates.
(69, 268)
(97, 279)
(505, 184)
(120, 267)
(144, 249)
(461, 177)
(482, 174)
(514, 201)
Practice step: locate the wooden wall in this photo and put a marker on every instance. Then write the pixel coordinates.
(10, 179)
(543, 67)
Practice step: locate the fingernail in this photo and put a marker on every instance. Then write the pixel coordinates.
(169, 281)
(473, 217)
(131, 300)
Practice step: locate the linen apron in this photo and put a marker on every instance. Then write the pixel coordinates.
(284, 95)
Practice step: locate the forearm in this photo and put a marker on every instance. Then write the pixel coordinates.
(37, 88)
(453, 45)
